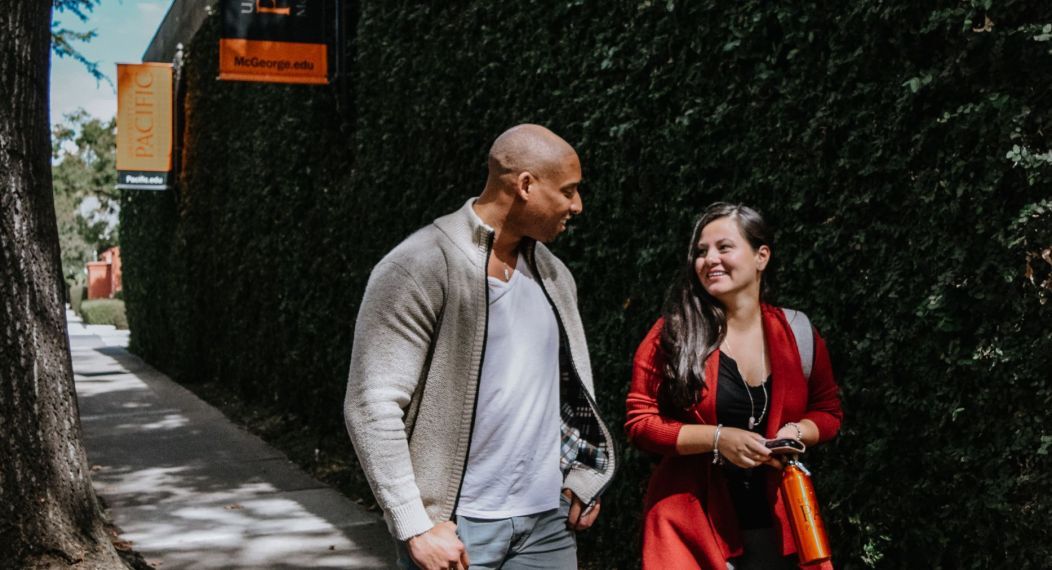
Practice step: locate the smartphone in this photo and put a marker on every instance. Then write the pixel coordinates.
(785, 445)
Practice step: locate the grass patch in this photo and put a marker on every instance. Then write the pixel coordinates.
(104, 312)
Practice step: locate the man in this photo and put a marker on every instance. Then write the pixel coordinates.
(469, 400)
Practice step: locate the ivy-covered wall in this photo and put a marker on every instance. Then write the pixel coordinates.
(900, 149)
(241, 273)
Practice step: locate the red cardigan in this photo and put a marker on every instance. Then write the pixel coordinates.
(689, 520)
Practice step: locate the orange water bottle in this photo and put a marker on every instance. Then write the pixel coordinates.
(809, 532)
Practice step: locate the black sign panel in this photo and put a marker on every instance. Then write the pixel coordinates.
(283, 41)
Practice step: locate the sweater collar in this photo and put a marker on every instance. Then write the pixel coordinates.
(465, 224)
(481, 232)
(467, 231)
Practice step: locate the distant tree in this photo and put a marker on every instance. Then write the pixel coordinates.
(49, 516)
(64, 40)
(86, 202)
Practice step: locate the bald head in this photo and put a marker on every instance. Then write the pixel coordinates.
(527, 147)
(532, 189)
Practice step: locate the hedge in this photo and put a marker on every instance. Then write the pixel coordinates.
(900, 149)
(104, 312)
(76, 297)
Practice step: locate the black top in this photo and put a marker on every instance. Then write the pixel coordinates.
(748, 487)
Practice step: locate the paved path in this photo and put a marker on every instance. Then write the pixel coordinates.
(192, 490)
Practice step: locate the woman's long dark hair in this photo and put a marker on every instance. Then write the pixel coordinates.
(696, 322)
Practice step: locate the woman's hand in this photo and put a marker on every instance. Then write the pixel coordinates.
(804, 430)
(790, 431)
(743, 448)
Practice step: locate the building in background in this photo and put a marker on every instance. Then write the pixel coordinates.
(104, 275)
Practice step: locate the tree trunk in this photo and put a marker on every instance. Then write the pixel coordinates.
(48, 513)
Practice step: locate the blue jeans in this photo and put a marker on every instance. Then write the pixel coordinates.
(538, 541)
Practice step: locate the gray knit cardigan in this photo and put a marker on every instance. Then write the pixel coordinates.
(419, 341)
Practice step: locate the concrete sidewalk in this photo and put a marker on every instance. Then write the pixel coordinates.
(192, 490)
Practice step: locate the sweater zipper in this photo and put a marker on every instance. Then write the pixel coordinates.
(478, 377)
(580, 385)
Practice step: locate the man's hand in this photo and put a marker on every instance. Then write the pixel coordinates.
(438, 549)
(581, 515)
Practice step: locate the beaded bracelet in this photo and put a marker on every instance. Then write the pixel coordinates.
(799, 432)
(716, 445)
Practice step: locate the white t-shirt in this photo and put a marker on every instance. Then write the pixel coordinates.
(513, 466)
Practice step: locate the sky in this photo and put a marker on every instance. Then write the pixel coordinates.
(125, 28)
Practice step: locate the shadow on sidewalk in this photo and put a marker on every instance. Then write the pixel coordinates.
(190, 489)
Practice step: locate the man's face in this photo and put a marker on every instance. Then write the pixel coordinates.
(554, 199)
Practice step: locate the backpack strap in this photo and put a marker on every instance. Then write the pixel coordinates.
(805, 339)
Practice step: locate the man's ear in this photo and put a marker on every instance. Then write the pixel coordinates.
(524, 184)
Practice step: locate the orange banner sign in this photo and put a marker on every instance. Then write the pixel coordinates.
(144, 125)
(273, 62)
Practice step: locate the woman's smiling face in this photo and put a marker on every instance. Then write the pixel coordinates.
(726, 263)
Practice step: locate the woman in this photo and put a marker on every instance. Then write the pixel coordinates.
(717, 376)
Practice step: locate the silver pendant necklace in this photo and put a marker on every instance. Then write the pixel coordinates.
(753, 420)
(507, 272)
